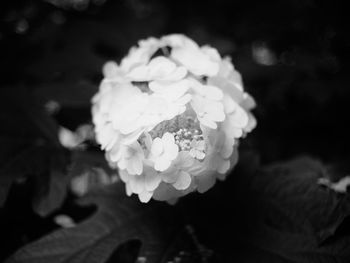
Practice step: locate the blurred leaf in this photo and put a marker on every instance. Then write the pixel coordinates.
(119, 219)
(30, 149)
(52, 189)
(89, 171)
(296, 217)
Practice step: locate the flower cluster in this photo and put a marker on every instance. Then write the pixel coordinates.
(170, 116)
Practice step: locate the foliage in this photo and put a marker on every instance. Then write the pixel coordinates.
(119, 219)
(31, 151)
(297, 218)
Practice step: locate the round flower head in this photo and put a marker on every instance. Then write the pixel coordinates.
(170, 116)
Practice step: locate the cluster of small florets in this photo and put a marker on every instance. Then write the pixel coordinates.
(170, 116)
(184, 138)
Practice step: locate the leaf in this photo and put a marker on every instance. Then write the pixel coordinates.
(54, 190)
(45, 168)
(30, 149)
(119, 219)
(295, 218)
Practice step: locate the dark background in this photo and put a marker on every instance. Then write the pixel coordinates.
(293, 56)
(302, 94)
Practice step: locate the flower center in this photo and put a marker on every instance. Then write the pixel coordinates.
(184, 137)
(186, 123)
(185, 128)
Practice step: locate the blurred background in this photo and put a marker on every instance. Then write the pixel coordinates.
(292, 54)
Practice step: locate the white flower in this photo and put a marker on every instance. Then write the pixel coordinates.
(143, 185)
(174, 94)
(207, 102)
(111, 70)
(187, 53)
(159, 68)
(178, 174)
(140, 55)
(130, 157)
(197, 149)
(208, 111)
(171, 123)
(163, 151)
(216, 158)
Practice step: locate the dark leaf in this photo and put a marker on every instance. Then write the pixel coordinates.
(119, 219)
(296, 218)
(30, 150)
(54, 189)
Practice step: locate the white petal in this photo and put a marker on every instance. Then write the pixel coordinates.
(211, 52)
(108, 137)
(212, 92)
(228, 87)
(178, 74)
(239, 118)
(130, 168)
(198, 103)
(226, 150)
(170, 91)
(137, 164)
(179, 40)
(201, 145)
(161, 164)
(236, 132)
(184, 99)
(184, 159)
(156, 105)
(229, 104)
(216, 113)
(137, 184)
(160, 67)
(128, 190)
(132, 137)
(206, 121)
(145, 196)
(170, 175)
(224, 166)
(152, 180)
(110, 69)
(131, 127)
(168, 139)
(157, 147)
(124, 176)
(68, 138)
(122, 164)
(183, 181)
(165, 192)
(205, 182)
(195, 61)
(251, 123)
(248, 102)
(172, 152)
